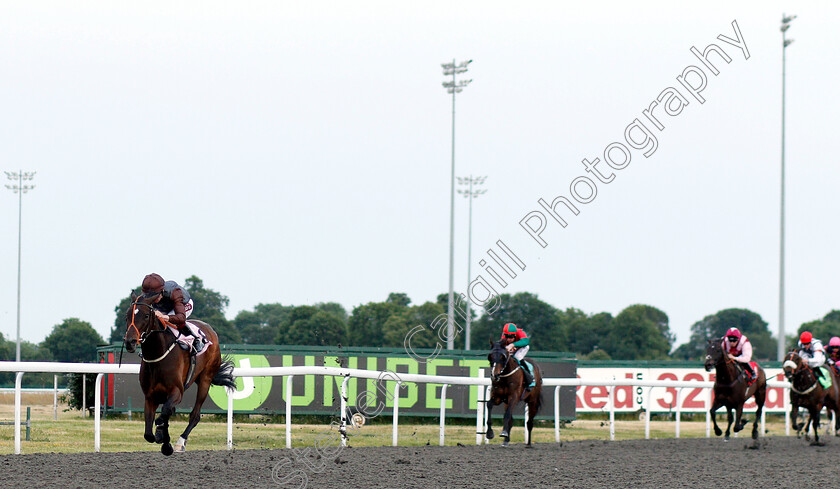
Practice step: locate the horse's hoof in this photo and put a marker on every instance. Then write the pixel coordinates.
(529, 446)
(726, 438)
(505, 443)
(505, 434)
(161, 436)
(166, 449)
(755, 435)
(180, 448)
(149, 437)
(816, 443)
(718, 431)
(490, 435)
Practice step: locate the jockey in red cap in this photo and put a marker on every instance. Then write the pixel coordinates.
(811, 350)
(517, 341)
(738, 348)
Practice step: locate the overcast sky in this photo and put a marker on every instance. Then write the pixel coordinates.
(299, 152)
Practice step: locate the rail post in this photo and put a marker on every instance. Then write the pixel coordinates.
(479, 405)
(18, 378)
(709, 412)
(679, 412)
(84, 396)
(443, 413)
(612, 413)
(527, 435)
(395, 429)
(557, 414)
(289, 411)
(647, 412)
(55, 397)
(97, 392)
(229, 418)
(343, 427)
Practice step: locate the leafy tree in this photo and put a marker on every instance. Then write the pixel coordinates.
(399, 325)
(366, 326)
(262, 325)
(639, 332)
(398, 298)
(73, 340)
(307, 325)
(539, 319)
(597, 354)
(715, 326)
(335, 309)
(586, 333)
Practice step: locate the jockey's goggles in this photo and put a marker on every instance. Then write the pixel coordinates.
(510, 336)
(733, 339)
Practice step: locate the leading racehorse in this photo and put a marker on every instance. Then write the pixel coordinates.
(732, 388)
(508, 388)
(806, 391)
(164, 369)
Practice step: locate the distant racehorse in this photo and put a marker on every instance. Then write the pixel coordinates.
(806, 391)
(732, 388)
(507, 377)
(164, 369)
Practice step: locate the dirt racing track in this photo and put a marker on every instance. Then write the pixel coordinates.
(697, 463)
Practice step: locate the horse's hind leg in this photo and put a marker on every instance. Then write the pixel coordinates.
(508, 423)
(815, 422)
(203, 387)
(532, 408)
(489, 431)
(760, 398)
(149, 412)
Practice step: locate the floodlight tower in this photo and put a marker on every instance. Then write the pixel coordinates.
(20, 189)
(453, 87)
(780, 348)
(470, 194)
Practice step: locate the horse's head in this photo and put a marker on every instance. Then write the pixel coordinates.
(498, 358)
(792, 364)
(714, 353)
(140, 320)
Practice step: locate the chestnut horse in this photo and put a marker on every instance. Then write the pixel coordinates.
(508, 388)
(732, 388)
(807, 392)
(164, 369)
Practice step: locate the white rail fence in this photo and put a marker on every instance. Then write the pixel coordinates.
(101, 369)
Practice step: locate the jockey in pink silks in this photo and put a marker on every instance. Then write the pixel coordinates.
(738, 348)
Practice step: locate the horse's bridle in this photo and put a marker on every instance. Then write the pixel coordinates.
(507, 361)
(142, 337)
(727, 360)
(800, 369)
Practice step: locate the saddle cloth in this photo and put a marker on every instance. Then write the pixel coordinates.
(825, 380)
(188, 340)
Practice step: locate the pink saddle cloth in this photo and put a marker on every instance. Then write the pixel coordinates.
(188, 340)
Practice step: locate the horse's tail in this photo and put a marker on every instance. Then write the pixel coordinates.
(224, 376)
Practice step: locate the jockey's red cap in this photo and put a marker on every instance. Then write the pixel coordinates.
(152, 283)
(733, 332)
(806, 337)
(509, 328)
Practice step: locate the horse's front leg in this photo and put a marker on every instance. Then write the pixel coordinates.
(728, 423)
(489, 431)
(794, 416)
(162, 422)
(715, 406)
(149, 412)
(815, 422)
(508, 423)
(739, 423)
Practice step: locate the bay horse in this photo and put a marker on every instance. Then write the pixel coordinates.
(164, 369)
(806, 391)
(732, 389)
(508, 388)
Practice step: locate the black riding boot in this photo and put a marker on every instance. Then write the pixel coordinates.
(528, 378)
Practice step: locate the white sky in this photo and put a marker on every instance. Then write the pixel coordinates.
(299, 152)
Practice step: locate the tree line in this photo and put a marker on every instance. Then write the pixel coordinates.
(639, 332)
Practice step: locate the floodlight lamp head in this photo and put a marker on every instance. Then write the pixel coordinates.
(787, 43)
